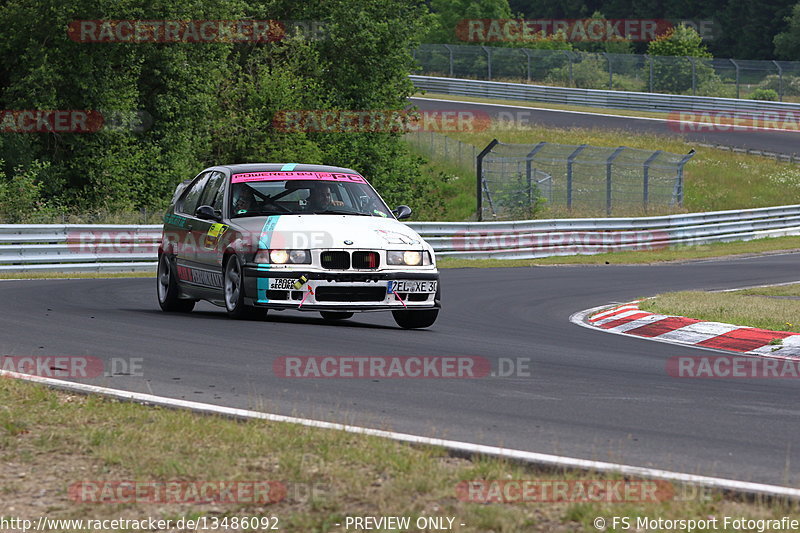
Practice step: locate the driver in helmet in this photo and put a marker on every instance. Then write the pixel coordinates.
(243, 199)
(321, 198)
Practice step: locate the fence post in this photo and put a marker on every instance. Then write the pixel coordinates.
(529, 171)
(488, 61)
(569, 60)
(479, 175)
(679, 184)
(646, 185)
(528, 55)
(780, 80)
(450, 52)
(570, 160)
(735, 64)
(610, 72)
(694, 76)
(650, 60)
(610, 160)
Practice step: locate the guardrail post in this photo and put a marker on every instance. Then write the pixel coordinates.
(610, 160)
(479, 175)
(570, 160)
(780, 80)
(679, 184)
(735, 64)
(488, 61)
(529, 170)
(450, 52)
(646, 184)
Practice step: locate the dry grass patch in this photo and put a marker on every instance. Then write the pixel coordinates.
(51, 439)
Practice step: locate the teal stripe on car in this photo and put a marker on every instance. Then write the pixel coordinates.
(288, 167)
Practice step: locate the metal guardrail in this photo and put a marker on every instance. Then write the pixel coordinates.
(595, 97)
(133, 248)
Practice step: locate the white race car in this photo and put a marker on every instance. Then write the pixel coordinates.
(286, 236)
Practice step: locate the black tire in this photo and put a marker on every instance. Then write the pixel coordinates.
(167, 287)
(415, 319)
(336, 315)
(233, 287)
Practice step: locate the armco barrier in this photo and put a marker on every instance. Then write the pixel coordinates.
(122, 248)
(596, 97)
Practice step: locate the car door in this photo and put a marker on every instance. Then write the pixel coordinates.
(186, 255)
(209, 233)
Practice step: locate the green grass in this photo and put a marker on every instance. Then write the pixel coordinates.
(51, 440)
(714, 179)
(683, 253)
(757, 308)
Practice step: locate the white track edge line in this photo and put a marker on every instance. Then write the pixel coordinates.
(520, 455)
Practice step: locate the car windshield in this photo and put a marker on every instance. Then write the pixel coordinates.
(298, 197)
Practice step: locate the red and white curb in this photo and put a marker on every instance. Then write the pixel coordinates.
(628, 319)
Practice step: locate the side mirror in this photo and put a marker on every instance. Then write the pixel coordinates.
(401, 212)
(206, 212)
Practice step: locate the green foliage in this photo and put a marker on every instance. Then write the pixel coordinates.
(787, 43)
(449, 14)
(672, 66)
(21, 194)
(764, 94)
(790, 85)
(210, 103)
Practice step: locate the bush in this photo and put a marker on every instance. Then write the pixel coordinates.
(764, 94)
(21, 194)
(791, 84)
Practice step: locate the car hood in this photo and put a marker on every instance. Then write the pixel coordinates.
(331, 231)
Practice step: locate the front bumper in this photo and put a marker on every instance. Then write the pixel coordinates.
(332, 290)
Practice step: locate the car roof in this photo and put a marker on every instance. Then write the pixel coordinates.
(286, 167)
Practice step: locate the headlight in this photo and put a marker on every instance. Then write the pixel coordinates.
(281, 257)
(408, 258)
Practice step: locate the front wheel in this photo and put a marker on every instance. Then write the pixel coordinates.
(336, 315)
(168, 290)
(415, 319)
(233, 284)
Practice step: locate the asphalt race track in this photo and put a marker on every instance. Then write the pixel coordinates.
(785, 142)
(590, 394)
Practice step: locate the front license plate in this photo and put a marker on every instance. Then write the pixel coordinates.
(412, 286)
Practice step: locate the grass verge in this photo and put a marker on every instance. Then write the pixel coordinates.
(773, 308)
(683, 253)
(52, 440)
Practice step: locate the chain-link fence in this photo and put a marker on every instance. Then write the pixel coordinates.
(731, 78)
(515, 177)
(440, 147)
(149, 215)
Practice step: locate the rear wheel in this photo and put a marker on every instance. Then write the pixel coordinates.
(415, 319)
(233, 284)
(336, 315)
(168, 290)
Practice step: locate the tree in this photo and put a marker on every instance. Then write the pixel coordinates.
(674, 74)
(787, 43)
